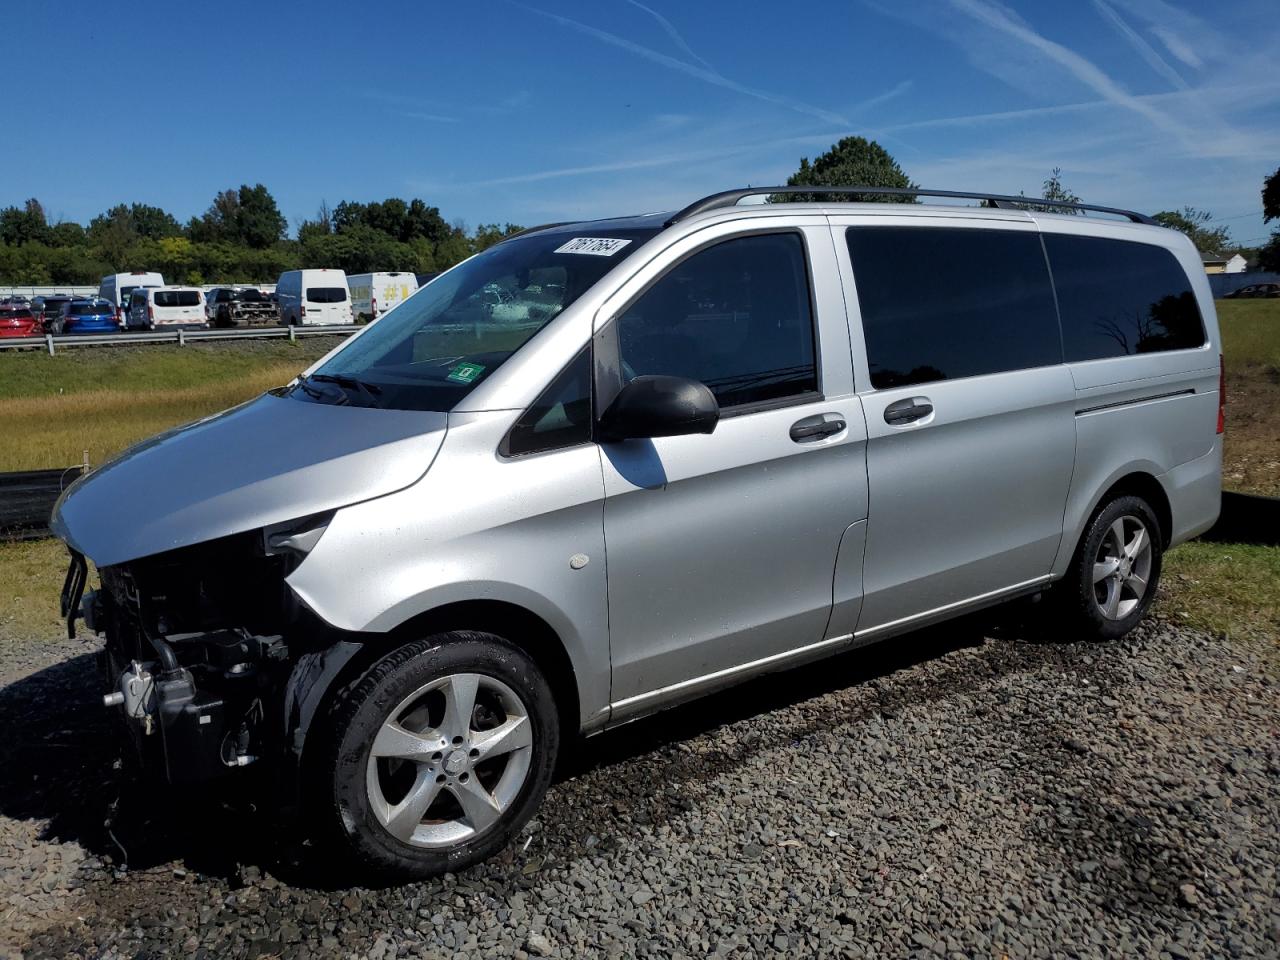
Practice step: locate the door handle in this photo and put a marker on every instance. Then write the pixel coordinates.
(908, 410)
(807, 430)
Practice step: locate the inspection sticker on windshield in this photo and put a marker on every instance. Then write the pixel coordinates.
(595, 246)
(465, 372)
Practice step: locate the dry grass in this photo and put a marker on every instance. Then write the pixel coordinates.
(29, 587)
(57, 431)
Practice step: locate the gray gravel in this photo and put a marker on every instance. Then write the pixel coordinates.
(964, 792)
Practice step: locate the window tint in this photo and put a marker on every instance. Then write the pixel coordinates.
(561, 417)
(326, 294)
(1117, 297)
(941, 303)
(177, 298)
(735, 316)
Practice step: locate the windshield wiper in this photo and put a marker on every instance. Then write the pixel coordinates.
(370, 390)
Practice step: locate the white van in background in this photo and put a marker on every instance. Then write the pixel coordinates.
(153, 307)
(373, 294)
(117, 287)
(314, 297)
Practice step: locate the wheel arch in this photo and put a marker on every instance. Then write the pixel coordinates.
(319, 678)
(1146, 486)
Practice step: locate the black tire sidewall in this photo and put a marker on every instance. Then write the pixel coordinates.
(359, 714)
(1080, 597)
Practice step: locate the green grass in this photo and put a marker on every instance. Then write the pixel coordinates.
(34, 373)
(97, 401)
(1250, 333)
(1230, 588)
(31, 575)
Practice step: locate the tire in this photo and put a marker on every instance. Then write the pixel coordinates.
(374, 804)
(1105, 604)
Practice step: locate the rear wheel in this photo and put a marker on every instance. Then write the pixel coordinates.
(440, 754)
(1116, 569)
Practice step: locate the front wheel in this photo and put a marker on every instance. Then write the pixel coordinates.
(1115, 571)
(439, 755)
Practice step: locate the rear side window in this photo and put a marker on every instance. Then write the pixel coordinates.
(177, 298)
(735, 316)
(326, 294)
(940, 303)
(1117, 298)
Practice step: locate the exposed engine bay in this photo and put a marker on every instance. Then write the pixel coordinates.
(199, 646)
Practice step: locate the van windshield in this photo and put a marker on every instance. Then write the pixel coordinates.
(439, 345)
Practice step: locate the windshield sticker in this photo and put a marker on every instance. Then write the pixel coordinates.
(465, 372)
(595, 246)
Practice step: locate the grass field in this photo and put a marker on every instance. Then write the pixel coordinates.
(53, 408)
(100, 400)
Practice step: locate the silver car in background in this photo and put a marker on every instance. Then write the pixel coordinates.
(690, 449)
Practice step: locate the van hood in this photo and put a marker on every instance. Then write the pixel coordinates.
(267, 461)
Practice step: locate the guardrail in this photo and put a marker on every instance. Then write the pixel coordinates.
(180, 336)
(27, 499)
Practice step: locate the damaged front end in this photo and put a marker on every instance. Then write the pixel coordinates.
(199, 646)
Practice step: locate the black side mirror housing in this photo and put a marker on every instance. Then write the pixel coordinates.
(655, 406)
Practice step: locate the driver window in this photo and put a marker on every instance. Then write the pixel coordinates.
(735, 316)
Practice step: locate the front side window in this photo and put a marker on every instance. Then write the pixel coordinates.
(439, 345)
(735, 316)
(940, 303)
(1117, 297)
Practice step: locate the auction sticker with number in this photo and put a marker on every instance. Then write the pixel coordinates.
(595, 246)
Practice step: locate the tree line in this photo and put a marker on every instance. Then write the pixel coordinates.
(241, 237)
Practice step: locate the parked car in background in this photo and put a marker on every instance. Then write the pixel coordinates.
(18, 320)
(153, 307)
(118, 288)
(14, 300)
(239, 307)
(314, 297)
(49, 310)
(373, 294)
(88, 315)
(1254, 290)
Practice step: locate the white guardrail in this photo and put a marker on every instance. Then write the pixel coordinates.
(181, 336)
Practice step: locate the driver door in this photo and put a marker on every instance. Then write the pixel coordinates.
(721, 548)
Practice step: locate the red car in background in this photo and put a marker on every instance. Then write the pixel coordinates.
(17, 320)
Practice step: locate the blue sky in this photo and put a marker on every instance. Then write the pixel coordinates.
(496, 110)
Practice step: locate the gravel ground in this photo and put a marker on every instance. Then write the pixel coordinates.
(964, 792)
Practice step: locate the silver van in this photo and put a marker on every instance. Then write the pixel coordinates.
(693, 448)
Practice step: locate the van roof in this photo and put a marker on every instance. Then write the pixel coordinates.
(994, 206)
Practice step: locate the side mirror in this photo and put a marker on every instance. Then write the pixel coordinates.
(654, 406)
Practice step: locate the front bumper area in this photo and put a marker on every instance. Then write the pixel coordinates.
(195, 711)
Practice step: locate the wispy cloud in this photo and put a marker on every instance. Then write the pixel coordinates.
(431, 117)
(1178, 47)
(1001, 21)
(1172, 25)
(671, 32)
(1148, 53)
(696, 71)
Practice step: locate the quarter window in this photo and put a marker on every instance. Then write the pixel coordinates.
(561, 417)
(1117, 298)
(735, 316)
(943, 303)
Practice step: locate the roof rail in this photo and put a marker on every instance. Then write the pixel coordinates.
(729, 198)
